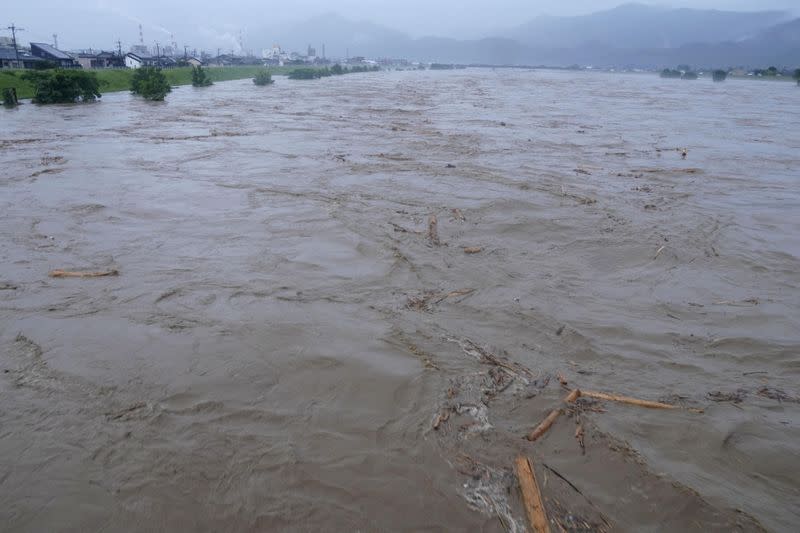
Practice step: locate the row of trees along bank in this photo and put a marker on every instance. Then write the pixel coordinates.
(60, 86)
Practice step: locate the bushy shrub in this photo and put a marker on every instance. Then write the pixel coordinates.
(9, 96)
(719, 75)
(337, 70)
(263, 78)
(200, 77)
(689, 75)
(59, 86)
(150, 83)
(304, 74)
(668, 73)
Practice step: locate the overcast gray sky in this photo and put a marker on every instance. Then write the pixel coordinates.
(206, 24)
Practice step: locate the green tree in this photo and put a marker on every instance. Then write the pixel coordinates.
(337, 70)
(263, 78)
(304, 74)
(9, 97)
(719, 75)
(200, 77)
(150, 83)
(60, 86)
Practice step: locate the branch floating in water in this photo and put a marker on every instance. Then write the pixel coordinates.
(628, 400)
(531, 496)
(79, 274)
(433, 230)
(545, 425)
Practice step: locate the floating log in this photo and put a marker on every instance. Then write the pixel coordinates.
(433, 229)
(77, 274)
(572, 396)
(545, 425)
(473, 250)
(531, 496)
(626, 399)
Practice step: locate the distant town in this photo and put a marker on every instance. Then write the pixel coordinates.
(39, 55)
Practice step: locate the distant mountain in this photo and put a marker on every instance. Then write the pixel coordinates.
(340, 37)
(640, 26)
(631, 35)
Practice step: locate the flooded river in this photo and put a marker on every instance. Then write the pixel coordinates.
(288, 347)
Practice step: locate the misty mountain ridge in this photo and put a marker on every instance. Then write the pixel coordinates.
(628, 35)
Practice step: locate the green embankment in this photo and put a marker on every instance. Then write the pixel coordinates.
(120, 80)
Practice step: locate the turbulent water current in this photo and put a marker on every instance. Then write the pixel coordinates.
(298, 340)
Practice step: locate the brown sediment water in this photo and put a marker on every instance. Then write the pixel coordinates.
(296, 340)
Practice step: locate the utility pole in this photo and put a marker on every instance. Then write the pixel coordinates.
(55, 41)
(141, 35)
(14, 31)
(158, 55)
(185, 52)
(119, 47)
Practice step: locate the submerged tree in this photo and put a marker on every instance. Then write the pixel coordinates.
(60, 86)
(797, 76)
(10, 97)
(304, 74)
(667, 73)
(263, 78)
(719, 75)
(689, 75)
(150, 83)
(200, 77)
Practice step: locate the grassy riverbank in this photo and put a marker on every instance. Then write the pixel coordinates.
(120, 80)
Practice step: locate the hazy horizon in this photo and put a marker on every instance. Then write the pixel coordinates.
(101, 23)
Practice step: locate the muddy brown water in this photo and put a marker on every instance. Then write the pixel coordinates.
(278, 344)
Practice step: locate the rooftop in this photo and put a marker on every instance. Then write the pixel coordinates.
(58, 54)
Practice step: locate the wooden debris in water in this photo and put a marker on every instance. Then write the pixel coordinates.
(749, 301)
(473, 250)
(544, 426)
(628, 400)
(440, 419)
(572, 396)
(658, 252)
(579, 437)
(453, 294)
(531, 496)
(79, 274)
(423, 303)
(433, 230)
(458, 215)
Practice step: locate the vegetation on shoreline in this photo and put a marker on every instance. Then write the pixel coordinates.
(335, 70)
(10, 97)
(719, 75)
(150, 83)
(117, 80)
(58, 86)
(263, 78)
(200, 78)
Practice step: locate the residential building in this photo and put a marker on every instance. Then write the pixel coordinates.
(52, 54)
(8, 58)
(100, 60)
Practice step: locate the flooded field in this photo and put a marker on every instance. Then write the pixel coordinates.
(294, 343)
